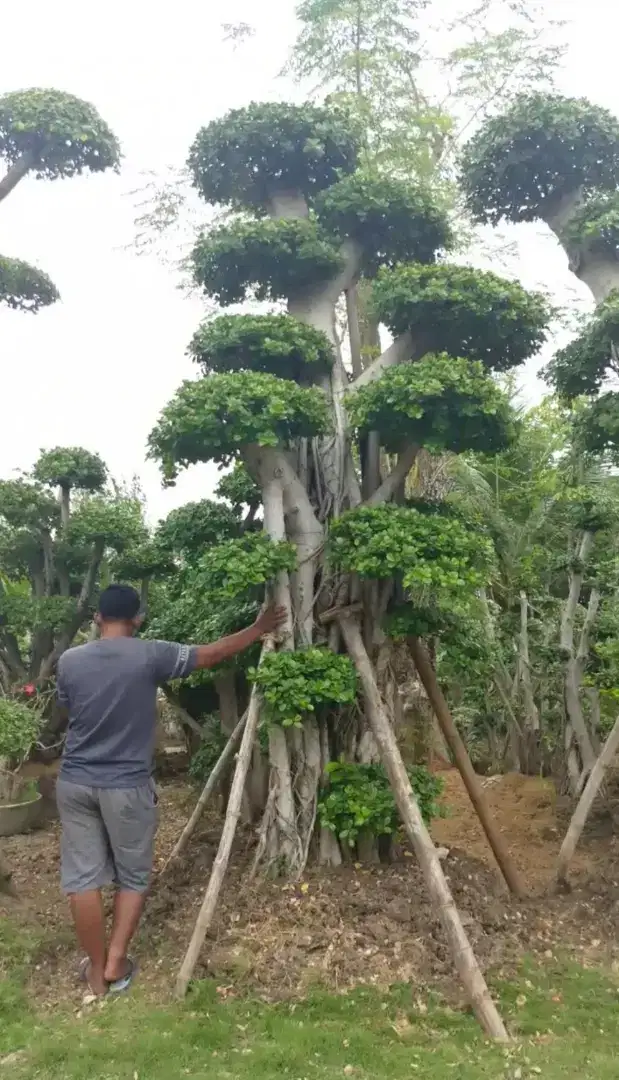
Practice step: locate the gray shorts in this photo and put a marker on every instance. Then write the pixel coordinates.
(108, 836)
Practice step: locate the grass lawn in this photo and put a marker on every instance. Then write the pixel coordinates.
(565, 1022)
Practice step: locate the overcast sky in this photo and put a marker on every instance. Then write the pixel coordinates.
(96, 368)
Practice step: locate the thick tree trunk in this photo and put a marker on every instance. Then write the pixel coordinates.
(573, 708)
(463, 761)
(464, 958)
(591, 262)
(220, 865)
(581, 813)
(16, 173)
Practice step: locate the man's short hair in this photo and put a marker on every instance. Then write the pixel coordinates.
(119, 603)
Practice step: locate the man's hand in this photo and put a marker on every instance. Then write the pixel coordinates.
(270, 619)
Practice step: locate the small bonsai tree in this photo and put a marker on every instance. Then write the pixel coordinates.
(51, 135)
(276, 397)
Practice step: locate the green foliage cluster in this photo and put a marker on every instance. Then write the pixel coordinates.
(209, 751)
(23, 287)
(431, 551)
(19, 726)
(440, 403)
(63, 135)
(212, 418)
(595, 224)
(71, 467)
(597, 429)
(27, 505)
(236, 566)
(519, 165)
(239, 488)
(269, 259)
(118, 522)
(251, 154)
(590, 508)
(358, 799)
(392, 220)
(190, 529)
(463, 312)
(294, 684)
(20, 612)
(277, 344)
(583, 365)
(142, 560)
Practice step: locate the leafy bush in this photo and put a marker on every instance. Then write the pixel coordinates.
(440, 402)
(209, 751)
(278, 344)
(392, 220)
(520, 164)
(23, 287)
(64, 135)
(270, 259)
(19, 726)
(251, 154)
(294, 684)
(211, 419)
(358, 798)
(463, 312)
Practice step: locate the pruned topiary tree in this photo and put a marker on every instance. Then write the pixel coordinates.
(279, 397)
(51, 135)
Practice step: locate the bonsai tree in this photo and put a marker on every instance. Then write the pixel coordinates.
(276, 395)
(553, 159)
(51, 135)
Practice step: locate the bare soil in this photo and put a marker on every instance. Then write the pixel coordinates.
(353, 926)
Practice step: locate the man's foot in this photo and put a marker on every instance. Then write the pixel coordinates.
(121, 974)
(95, 980)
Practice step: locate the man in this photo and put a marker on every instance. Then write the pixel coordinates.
(106, 797)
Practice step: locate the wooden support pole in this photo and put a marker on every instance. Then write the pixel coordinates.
(463, 761)
(220, 865)
(215, 776)
(463, 955)
(581, 813)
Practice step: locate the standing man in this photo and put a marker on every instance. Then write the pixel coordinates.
(106, 797)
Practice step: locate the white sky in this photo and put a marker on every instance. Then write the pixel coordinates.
(96, 368)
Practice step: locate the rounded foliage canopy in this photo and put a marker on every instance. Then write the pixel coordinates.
(212, 418)
(195, 526)
(271, 259)
(441, 402)
(431, 551)
(23, 287)
(63, 135)
(251, 154)
(582, 366)
(71, 467)
(393, 221)
(25, 505)
(521, 164)
(278, 344)
(115, 522)
(463, 312)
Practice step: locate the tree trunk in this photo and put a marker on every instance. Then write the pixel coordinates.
(464, 958)
(596, 266)
(16, 173)
(461, 757)
(220, 865)
(573, 707)
(581, 813)
(83, 602)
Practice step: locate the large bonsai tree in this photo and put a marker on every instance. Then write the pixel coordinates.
(50, 135)
(329, 449)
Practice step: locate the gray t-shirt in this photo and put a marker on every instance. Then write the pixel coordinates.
(110, 690)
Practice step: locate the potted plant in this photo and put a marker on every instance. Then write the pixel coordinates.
(20, 800)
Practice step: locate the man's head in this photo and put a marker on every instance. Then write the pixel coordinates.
(119, 607)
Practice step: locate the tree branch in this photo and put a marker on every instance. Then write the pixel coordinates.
(398, 352)
(83, 602)
(16, 173)
(398, 474)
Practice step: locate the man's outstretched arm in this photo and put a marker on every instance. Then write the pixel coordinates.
(208, 656)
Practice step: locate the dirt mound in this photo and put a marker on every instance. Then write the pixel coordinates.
(357, 925)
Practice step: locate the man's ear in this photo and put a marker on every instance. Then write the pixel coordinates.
(139, 620)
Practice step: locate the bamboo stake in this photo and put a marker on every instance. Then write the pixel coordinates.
(581, 813)
(467, 772)
(220, 865)
(217, 772)
(464, 957)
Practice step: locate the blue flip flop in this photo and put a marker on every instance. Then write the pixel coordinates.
(121, 985)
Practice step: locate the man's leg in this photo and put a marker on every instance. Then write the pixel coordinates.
(130, 816)
(86, 867)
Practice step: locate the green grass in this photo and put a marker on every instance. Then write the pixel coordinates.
(565, 1022)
